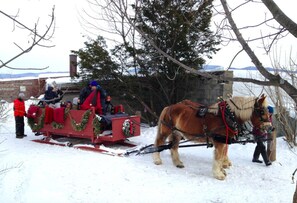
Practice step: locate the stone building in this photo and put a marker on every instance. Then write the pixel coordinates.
(35, 85)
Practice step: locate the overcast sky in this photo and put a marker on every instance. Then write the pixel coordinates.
(69, 34)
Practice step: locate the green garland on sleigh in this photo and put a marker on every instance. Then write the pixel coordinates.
(83, 124)
(37, 126)
(97, 125)
(76, 126)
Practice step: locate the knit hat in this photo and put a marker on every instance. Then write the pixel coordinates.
(94, 83)
(21, 95)
(270, 109)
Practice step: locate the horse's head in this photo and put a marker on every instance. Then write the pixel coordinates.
(260, 117)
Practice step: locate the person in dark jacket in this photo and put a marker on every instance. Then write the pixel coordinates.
(19, 113)
(259, 135)
(51, 96)
(84, 93)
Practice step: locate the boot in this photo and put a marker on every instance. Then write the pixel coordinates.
(256, 155)
(265, 157)
(19, 136)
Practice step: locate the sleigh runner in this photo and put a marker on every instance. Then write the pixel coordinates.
(82, 127)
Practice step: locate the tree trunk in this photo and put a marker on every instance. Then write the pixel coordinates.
(295, 195)
(271, 146)
(281, 17)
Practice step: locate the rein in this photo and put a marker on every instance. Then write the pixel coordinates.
(148, 149)
(173, 128)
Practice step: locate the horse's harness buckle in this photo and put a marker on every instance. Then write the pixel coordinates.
(201, 112)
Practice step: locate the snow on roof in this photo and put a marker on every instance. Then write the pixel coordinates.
(62, 80)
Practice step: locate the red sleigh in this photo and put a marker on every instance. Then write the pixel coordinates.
(83, 128)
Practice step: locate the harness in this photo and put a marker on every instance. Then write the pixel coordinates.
(230, 123)
(228, 117)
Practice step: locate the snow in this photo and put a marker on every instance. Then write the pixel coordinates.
(46, 173)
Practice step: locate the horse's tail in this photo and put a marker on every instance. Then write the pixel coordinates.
(161, 120)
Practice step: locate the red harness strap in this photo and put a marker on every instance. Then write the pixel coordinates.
(223, 106)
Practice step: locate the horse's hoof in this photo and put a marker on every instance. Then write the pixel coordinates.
(220, 177)
(157, 162)
(180, 166)
(157, 159)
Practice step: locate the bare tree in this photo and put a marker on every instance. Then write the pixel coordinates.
(282, 85)
(36, 38)
(274, 80)
(271, 79)
(284, 27)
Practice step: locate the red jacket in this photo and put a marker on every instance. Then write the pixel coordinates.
(19, 107)
(88, 103)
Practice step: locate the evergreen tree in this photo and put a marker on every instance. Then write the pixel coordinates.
(181, 29)
(95, 62)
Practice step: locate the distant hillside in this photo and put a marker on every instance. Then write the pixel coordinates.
(251, 68)
(248, 68)
(23, 75)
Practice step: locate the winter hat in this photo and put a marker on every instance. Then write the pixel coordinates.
(94, 83)
(21, 95)
(270, 109)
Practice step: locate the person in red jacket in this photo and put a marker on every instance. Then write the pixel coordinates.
(96, 99)
(19, 113)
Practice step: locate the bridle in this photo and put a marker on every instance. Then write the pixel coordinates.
(260, 112)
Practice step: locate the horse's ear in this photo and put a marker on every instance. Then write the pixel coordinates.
(261, 99)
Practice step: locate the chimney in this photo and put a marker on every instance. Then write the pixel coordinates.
(73, 65)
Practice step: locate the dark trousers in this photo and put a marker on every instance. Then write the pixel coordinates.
(261, 149)
(19, 126)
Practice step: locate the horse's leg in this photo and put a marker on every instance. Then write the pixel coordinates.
(174, 139)
(161, 137)
(226, 161)
(217, 169)
(160, 140)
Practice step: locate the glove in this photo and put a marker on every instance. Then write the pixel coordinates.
(59, 92)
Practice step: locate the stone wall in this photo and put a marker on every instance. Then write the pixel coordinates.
(9, 90)
(207, 91)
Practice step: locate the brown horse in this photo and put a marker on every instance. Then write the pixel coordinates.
(181, 121)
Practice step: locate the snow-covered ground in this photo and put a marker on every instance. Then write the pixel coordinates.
(40, 173)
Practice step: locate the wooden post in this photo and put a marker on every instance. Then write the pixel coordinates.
(271, 146)
(295, 195)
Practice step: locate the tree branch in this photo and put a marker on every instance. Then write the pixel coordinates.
(274, 79)
(281, 17)
(36, 40)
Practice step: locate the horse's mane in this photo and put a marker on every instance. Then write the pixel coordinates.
(242, 107)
